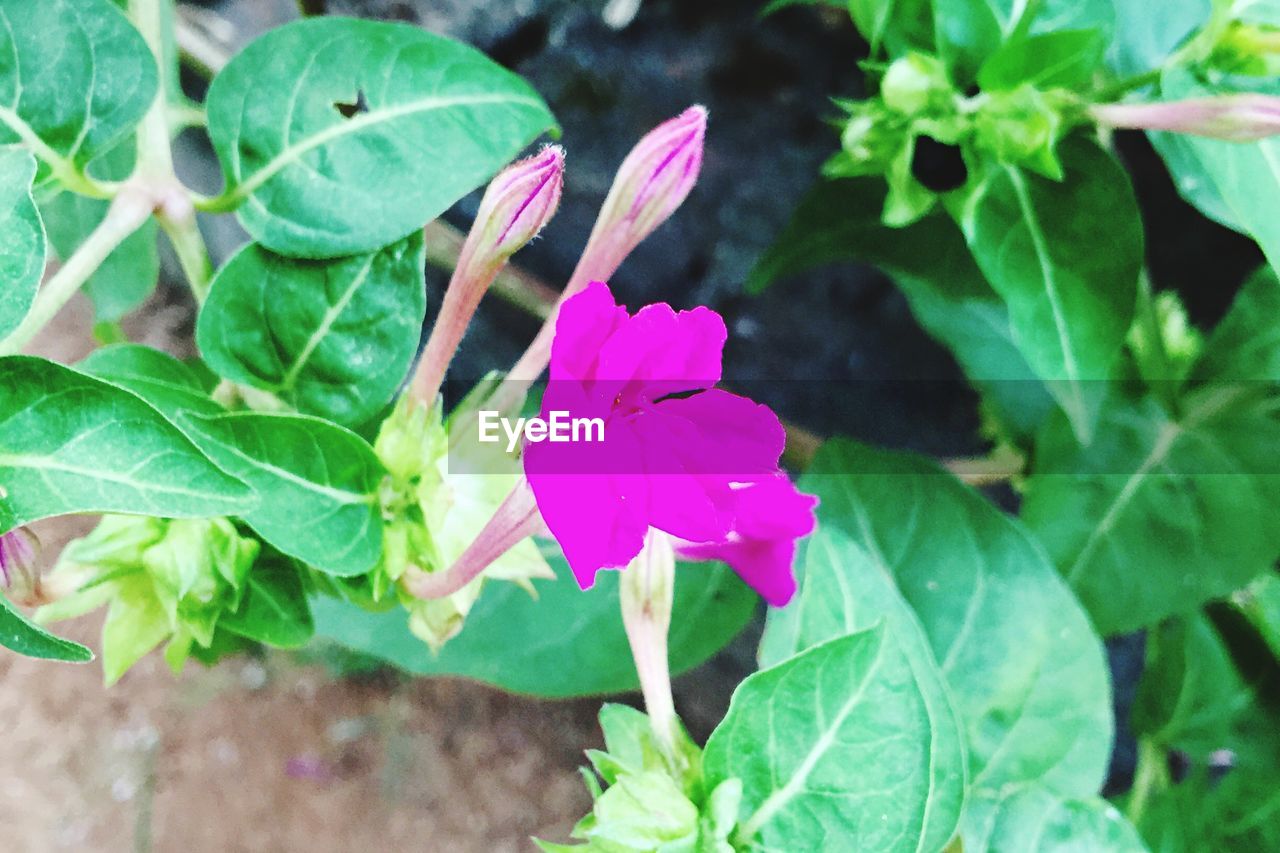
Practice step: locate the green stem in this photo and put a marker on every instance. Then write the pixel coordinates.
(1126, 85)
(64, 170)
(155, 162)
(1150, 778)
(155, 159)
(193, 256)
(126, 215)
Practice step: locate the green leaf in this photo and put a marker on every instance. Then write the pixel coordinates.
(848, 745)
(70, 443)
(431, 119)
(318, 483)
(840, 220)
(897, 25)
(275, 609)
(1259, 602)
(1192, 699)
(562, 642)
(1034, 819)
(331, 338)
(129, 274)
(970, 31)
(1233, 182)
(75, 77)
(166, 383)
(1064, 58)
(1158, 515)
(1245, 345)
(22, 251)
(26, 638)
(1191, 694)
(1025, 670)
(1143, 41)
(1065, 257)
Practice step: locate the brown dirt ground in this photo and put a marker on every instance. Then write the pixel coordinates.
(269, 755)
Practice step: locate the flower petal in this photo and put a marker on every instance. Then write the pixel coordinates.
(735, 437)
(770, 516)
(586, 320)
(660, 351)
(599, 518)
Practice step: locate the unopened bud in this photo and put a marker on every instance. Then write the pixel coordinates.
(651, 183)
(19, 568)
(1235, 118)
(517, 204)
(913, 82)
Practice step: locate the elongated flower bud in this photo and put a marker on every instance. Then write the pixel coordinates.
(518, 203)
(652, 182)
(19, 572)
(1235, 118)
(516, 206)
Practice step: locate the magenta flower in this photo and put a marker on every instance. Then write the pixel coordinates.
(678, 455)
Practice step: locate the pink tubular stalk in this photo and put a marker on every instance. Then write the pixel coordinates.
(647, 590)
(652, 182)
(515, 207)
(1235, 118)
(515, 519)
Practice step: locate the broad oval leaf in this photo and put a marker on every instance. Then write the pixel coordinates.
(22, 250)
(1065, 257)
(849, 745)
(331, 338)
(21, 635)
(1034, 819)
(75, 77)
(1241, 180)
(338, 136)
(1191, 694)
(318, 484)
(560, 643)
(970, 31)
(70, 443)
(1157, 515)
(1144, 41)
(159, 378)
(1024, 667)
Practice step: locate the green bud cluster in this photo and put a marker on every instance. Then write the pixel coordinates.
(644, 801)
(919, 112)
(432, 511)
(161, 579)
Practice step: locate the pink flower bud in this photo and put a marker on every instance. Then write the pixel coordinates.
(654, 180)
(517, 204)
(19, 572)
(1235, 118)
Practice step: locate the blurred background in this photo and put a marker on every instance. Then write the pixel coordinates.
(326, 752)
